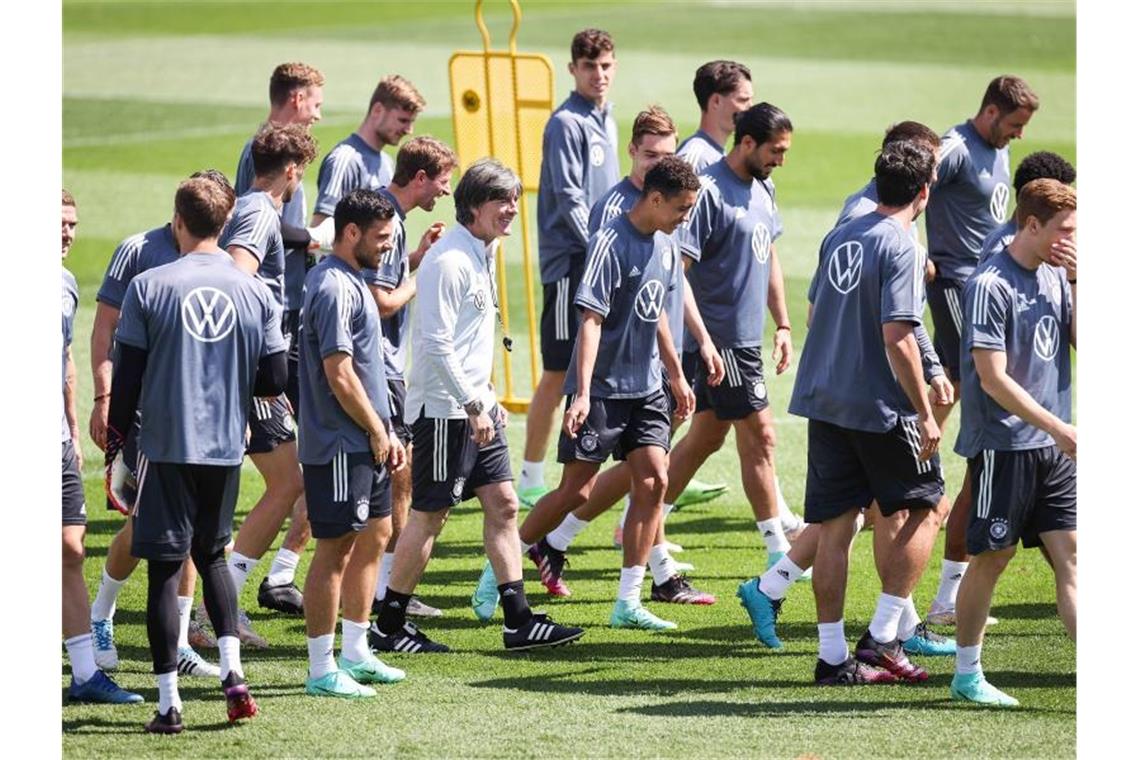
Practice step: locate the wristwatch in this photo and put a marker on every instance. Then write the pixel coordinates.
(474, 407)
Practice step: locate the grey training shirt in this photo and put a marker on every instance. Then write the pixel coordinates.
(394, 269)
(256, 227)
(135, 255)
(352, 165)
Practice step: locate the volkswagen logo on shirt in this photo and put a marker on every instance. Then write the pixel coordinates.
(1047, 337)
(480, 300)
(761, 242)
(846, 266)
(208, 314)
(650, 299)
(998, 201)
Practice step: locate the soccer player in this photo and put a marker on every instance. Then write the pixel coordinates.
(872, 435)
(735, 274)
(579, 163)
(457, 433)
(135, 255)
(654, 138)
(968, 201)
(88, 682)
(295, 97)
(253, 238)
(1021, 310)
(359, 161)
(197, 339)
(1040, 165)
(617, 402)
(346, 448)
(423, 175)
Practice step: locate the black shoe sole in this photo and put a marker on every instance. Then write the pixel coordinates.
(545, 644)
(287, 608)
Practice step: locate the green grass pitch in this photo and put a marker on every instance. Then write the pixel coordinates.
(154, 91)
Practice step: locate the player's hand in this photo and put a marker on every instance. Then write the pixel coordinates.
(380, 444)
(931, 270)
(714, 364)
(576, 414)
(482, 428)
(782, 352)
(1064, 254)
(501, 415)
(1066, 437)
(321, 236)
(427, 240)
(78, 449)
(397, 455)
(929, 437)
(683, 395)
(98, 425)
(941, 391)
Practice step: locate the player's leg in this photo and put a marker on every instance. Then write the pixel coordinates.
(756, 447)
(278, 590)
(401, 504)
(975, 595)
(190, 663)
(704, 438)
(541, 421)
(955, 559)
(117, 568)
(322, 603)
(578, 477)
(1062, 546)
(1054, 529)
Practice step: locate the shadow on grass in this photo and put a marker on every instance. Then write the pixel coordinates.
(578, 682)
(96, 726)
(805, 708)
(1025, 611)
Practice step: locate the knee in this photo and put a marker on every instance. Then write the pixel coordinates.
(508, 508)
(73, 554)
(653, 483)
(709, 442)
(992, 563)
(767, 440)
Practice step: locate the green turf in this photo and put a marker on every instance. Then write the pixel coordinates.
(154, 91)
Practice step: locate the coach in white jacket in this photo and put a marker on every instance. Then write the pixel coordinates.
(457, 423)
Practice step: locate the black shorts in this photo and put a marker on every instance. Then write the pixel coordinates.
(741, 392)
(945, 298)
(690, 360)
(291, 329)
(448, 466)
(850, 468)
(346, 493)
(617, 426)
(270, 425)
(559, 325)
(397, 395)
(183, 506)
(1020, 495)
(74, 505)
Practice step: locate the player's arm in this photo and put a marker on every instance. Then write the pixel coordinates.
(667, 350)
(1064, 255)
(567, 176)
(998, 385)
(391, 300)
(589, 337)
(353, 399)
(102, 340)
(427, 240)
(272, 375)
(778, 308)
(941, 388)
(69, 391)
(906, 363)
(696, 327)
(335, 179)
(245, 259)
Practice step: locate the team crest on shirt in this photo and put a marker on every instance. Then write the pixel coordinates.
(667, 257)
(999, 528)
(650, 298)
(480, 300)
(597, 155)
(588, 442)
(998, 201)
(457, 487)
(761, 242)
(1047, 337)
(845, 267)
(362, 510)
(208, 314)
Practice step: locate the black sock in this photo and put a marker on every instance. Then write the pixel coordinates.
(393, 613)
(162, 614)
(515, 609)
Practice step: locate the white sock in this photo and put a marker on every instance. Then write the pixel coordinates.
(531, 476)
(968, 659)
(168, 692)
(81, 652)
(661, 564)
(184, 605)
(885, 623)
(773, 535)
(789, 520)
(284, 567)
(384, 574)
(524, 546)
(103, 608)
(909, 620)
(952, 574)
(624, 512)
(240, 567)
(321, 660)
(629, 588)
(666, 509)
(229, 650)
(561, 537)
(776, 581)
(832, 643)
(354, 640)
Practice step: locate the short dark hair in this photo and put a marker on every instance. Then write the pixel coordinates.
(718, 78)
(220, 179)
(901, 170)
(203, 206)
(361, 207)
(289, 77)
(1009, 93)
(275, 146)
(68, 198)
(394, 91)
(1043, 165)
(433, 156)
(761, 122)
(590, 43)
(485, 180)
(670, 176)
(911, 130)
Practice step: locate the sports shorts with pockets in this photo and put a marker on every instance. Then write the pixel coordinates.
(743, 389)
(270, 424)
(945, 299)
(397, 398)
(559, 323)
(343, 495)
(183, 506)
(74, 504)
(1018, 495)
(448, 465)
(617, 426)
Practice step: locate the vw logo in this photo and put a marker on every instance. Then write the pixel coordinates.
(480, 300)
(649, 301)
(1047, 337)
(208, 314)
(845, 266)
(998, 201)
(761, 242)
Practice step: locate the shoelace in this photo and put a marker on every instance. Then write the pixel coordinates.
(103, 635)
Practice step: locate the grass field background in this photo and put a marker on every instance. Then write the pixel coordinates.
(155, 91)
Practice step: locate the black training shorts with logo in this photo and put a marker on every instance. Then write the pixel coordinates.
(180, 506)
(741, 392)
(397, 400)
(291, 330)
(617, 426)
(945, 299)
(343, 495)
(74, 505)
(847, 469)
(448, 465)
(559, 323)
(1018, 495)
(270, 424)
